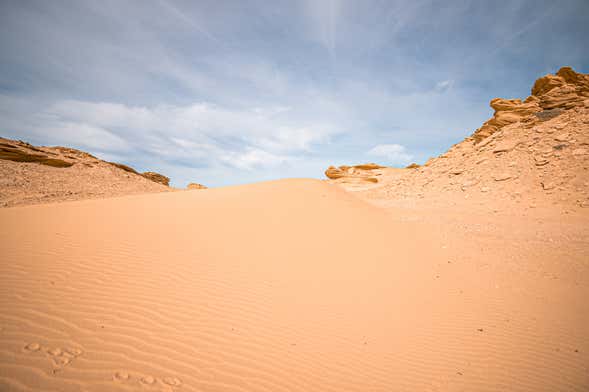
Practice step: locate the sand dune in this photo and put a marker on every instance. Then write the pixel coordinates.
(292, 285)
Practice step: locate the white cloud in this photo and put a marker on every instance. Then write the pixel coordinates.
(395, 154)
(84, 135)
(199, 134)
(254, 158)
(197, 123)
(444, 85)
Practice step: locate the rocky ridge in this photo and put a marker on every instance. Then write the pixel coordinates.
(33, 174)
(531, 153)
(551, 95)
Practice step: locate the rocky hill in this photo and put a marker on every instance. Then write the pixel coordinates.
(31, 174)
(532, 153)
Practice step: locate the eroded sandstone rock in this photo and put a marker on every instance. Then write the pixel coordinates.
(156, 177)
(363, 172)
(550, 95)
(194, 185)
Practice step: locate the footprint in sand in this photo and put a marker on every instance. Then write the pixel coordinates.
(32, 347)
(122, 376)
(59, 357)
(173, 381)
(76, 352)
(148, 380)
(61, 361)
(54, 351)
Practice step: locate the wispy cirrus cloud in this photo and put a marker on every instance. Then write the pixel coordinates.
(323, 18)
(444, 85)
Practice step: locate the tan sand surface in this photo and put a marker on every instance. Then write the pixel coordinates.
(291, 285)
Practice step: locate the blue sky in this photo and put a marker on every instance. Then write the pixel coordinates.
(228, 92)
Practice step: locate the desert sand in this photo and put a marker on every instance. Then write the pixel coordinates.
(287, 285)
(469, 273)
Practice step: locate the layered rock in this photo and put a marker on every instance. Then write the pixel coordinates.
(565, 90)
(532, 153)
(364, 172)
(35, 174)
(13, 152)
(550, 95)
(156, 177)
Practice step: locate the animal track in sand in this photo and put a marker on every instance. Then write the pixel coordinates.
(121, 376)
(60, 357)
(74, 351)
(32, 347)
(54, 351)
(146, 380)
(173, 381)
(61, 361)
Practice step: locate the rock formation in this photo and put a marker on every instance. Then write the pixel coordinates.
(530, 153)
(550, 95)
(30, 174)
(23, 152)
(364, 172)
(156, 177)
(194, 185)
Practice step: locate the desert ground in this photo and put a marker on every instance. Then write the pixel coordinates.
(468, 273)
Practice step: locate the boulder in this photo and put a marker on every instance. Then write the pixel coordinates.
(362, 172)
(333, 173)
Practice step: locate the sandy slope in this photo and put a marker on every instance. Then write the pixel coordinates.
(292, 285)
